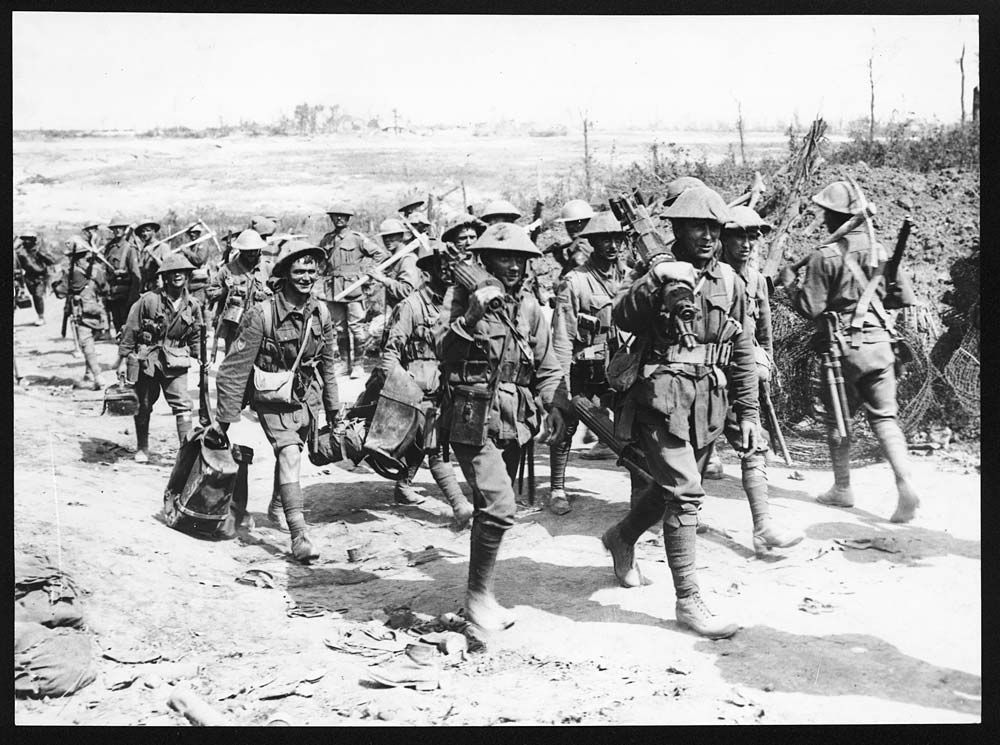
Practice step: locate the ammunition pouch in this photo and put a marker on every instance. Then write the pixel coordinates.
(398, 419)
(470, 415)
(479, 371)
(176, 360)
(120, 400)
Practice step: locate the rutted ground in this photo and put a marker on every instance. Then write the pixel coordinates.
(885, 636)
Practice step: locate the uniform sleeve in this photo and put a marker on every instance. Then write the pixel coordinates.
(743, 368)
(764, 333)
(328, 366)
(550, 381)
(400, 329)
(636, 305)
(198, 254)
(809, 297)
(564, 320)
(194, 332)
(453, 340)
(373, 251)
(407, 280)
(217, 285)
(127, 344)
(234, 373)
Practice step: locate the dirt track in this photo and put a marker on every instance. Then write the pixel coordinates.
(896, 636)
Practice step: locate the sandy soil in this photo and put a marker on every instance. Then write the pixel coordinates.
(897, 637)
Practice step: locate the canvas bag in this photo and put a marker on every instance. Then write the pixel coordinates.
(276, 387)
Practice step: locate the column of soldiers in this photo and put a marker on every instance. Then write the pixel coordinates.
(690, 325)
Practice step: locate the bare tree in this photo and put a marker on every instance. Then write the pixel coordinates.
(961, 67)
(586, 154)
(739, 125)
(871, 85)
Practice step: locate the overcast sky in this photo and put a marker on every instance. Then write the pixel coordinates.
(138, 70)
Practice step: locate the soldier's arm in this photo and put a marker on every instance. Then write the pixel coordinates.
(564, 328)
(127, 344)
(193, 334)
(234, 373)
(198, 254)
(453, 339)
(635, 306)
(217, 285)
(373, 250)
(406, 281)
(809, 298)
(328, 370)
(763, 331)
(550, 380)
(401, 327)
(742, 367)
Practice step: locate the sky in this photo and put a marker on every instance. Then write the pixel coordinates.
(141, 70)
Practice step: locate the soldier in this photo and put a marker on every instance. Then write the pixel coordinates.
(421, 223)
(92, 234)
(151, 256)
(226, 239)
(410, 343)
(574, 252)
(404, 276)
(35, 263)
(739, 237)
(495, 375)
(86, 282)
(349, 254)
(584, 337)
(838, 288)
(238, 285)
(289, 336)
(197, 254)
(463, 230)
(688, 317)
(500, 211)
(125, 279)
(673, 190)
(411, 205)
(161, 337)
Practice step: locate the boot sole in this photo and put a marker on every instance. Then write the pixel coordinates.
(724, 634)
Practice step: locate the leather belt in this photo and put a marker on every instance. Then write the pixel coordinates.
(700, 354)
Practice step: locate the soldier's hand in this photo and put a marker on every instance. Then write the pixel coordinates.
(378, 276)
(786, 276)
(555, 427)
(479, 303)
(748, 437)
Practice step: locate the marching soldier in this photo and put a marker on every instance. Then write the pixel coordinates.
(500, 211)
(161, 339)
(584, 336)
(494, 376)
(348, 255)
(286, 343)
(92, 234)
(238, 285)
(574, 252)
(86, 282)
(404, 276)
(410, 343)
(151, 256)
(411, 205)
(688, 317)
(463, 231)
(843, 289)
(35, 262)
(739, 237)
(197, 254)
(125, 279)
(673, 190)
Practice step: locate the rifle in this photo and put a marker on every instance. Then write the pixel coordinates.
(892, 266)
(599, 423)
(772, 420)
(527, 457)
(204, 412)
(535, 226)
(834, 374)
(631, 212)
(68, 305)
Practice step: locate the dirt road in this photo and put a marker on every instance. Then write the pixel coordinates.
(831, 632)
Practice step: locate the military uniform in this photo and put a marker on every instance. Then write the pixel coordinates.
(349, 255)
(126, 278)
(234, 289)
(163, 336)
(403, 278)
(35, 263)
(410, 343)
(835, 279)
(86, 282)
(198, 256)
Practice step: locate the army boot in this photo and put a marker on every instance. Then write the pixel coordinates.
(481, 606)
(599, 451)
(444, 477)
(766, 534)
(841, 495)
(291, 501)
(557, 502)
(142, 439)
(275, 512)
(893, 442)
(713, 469)
(690, 610)
(404, 493)
(623, 556)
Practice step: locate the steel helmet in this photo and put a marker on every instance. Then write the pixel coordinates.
(743, 217)
(118, 222)
(603, 223)
(392, 226)
(92, 224)
(249, 240)
(505, 237)
(699, 203)
(678, 186)
(293, 250)
(76, 245)
(340, 208)
(28, 233)
(575, 209)
(263, 225)
(175, 263)
(412, 202)
(462, 220)
(838, 197)
(426, 252)
(196, 228)
(418, 218)
(143, 223)
(500, 207)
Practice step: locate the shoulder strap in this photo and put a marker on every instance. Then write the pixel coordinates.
(868, 296)
(267, 311)
(728, 282)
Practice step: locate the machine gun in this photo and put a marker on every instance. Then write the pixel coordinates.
(631, 212)
(599, 423)
(834, 374)
(767, 404)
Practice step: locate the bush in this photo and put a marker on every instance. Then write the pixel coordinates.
(913, 146)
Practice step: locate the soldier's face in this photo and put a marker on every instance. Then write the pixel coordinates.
(28, 243)
(392, 241)
(696, 239)
(118, 231)
(145, 233)
(465, 238)
(573, 227)
(176, 279)
(507, 266)
(497, 219)
(606, 247)
(738, 245)
(339, 221)
(89, 233)
(250, 258)
(302, 274)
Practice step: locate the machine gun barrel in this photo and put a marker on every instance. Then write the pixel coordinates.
(599, 423)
